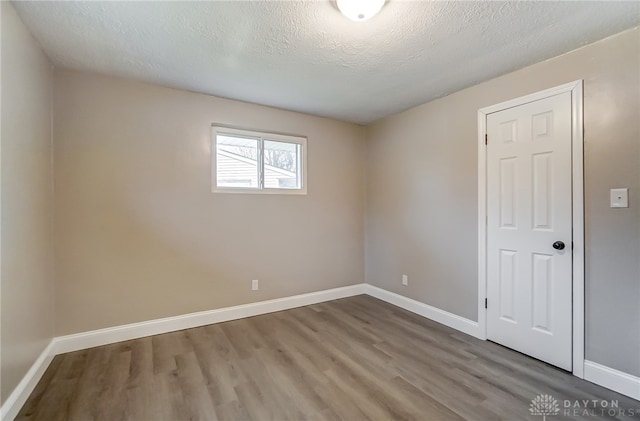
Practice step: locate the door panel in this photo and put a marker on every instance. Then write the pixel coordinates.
(508, 192)
(542, 288)
(542, 180)
(528, 209)
(507, 287)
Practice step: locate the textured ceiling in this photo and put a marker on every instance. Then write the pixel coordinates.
(305, 56)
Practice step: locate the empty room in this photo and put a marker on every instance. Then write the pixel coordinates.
(320, 210)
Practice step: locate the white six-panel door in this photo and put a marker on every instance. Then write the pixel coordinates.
(529, 282)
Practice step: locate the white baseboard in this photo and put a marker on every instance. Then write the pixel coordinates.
(599, 374)
(596, 373)
(187, 321)
(19, 396)
(610, 378)
(443, 317)
(84, 340)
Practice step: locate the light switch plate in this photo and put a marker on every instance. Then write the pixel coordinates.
(619, 198)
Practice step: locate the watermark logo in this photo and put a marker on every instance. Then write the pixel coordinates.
(544, 405)
(547, 405)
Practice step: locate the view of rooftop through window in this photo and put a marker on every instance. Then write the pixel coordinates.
(255, 163)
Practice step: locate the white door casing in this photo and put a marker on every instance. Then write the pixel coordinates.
(575, 89)
(528, 209)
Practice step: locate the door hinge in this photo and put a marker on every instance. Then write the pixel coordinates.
(486, 139)
(486, 303)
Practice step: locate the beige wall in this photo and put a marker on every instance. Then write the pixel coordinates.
(422, 193)
(138, 233)
(27, 266)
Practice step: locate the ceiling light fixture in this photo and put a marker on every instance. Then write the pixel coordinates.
(360, 10)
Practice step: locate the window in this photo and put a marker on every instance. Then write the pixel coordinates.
(245, 161)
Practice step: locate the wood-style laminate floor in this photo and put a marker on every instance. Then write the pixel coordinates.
(352, 359)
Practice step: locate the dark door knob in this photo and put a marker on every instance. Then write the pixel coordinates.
(558, 245)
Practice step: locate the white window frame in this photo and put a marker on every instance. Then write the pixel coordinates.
(262, 136)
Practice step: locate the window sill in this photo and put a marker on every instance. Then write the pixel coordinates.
(287, 192)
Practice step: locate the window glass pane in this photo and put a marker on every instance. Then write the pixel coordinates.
(281, 165)
(237, 162)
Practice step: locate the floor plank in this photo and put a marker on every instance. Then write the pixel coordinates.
(358, 358)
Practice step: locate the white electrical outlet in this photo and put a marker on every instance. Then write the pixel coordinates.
(405, 280)
(254, 285)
